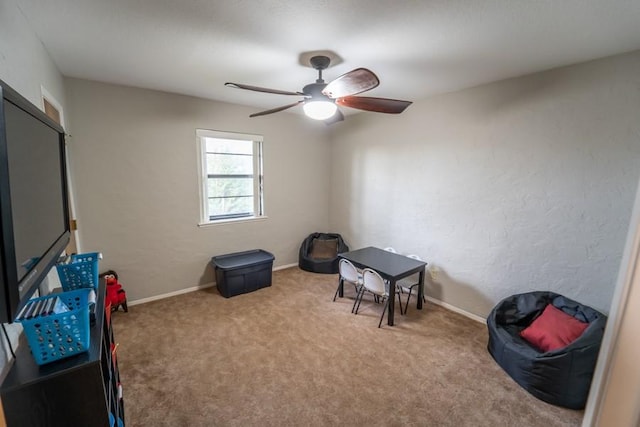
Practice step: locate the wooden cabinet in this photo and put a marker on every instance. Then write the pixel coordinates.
(78, 391)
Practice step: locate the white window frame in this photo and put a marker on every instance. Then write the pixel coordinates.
(258, 175)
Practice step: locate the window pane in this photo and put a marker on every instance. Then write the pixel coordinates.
(231, 175)
(231, 206)
(229, 164)
(226, 187)
(219, 145)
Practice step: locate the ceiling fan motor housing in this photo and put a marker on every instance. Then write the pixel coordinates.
(314, 90)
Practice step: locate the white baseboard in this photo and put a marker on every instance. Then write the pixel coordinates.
(170, 294)
(282, 267)
(191, 289)
(456, 310)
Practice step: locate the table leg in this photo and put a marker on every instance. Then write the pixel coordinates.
(392, 302)
(421, 290)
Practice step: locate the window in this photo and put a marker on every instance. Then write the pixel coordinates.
(231, 179)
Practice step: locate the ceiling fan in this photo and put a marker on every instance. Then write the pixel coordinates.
(321, 99)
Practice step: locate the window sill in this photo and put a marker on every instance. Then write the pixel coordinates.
(232, 221)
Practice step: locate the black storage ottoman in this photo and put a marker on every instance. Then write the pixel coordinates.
(242, 272)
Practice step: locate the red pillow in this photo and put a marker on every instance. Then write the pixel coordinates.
(553, 329)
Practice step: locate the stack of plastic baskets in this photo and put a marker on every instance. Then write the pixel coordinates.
(80, 272)
(112, 421)
(57, 336)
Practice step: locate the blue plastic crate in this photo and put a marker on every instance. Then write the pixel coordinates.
(80, 272)
(89, 256)
(58, 336)
(112, 421)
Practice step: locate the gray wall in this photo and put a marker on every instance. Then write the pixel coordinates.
(134, 157)
(518, 185)
(24, 63)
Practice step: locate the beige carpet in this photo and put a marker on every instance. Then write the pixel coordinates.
(288, 356)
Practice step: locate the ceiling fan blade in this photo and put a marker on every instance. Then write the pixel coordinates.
(262, 89)
(275, 110)
(355, 81)
(337, 117)
(378, 105)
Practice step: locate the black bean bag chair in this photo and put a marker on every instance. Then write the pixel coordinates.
(561, 377)
(319, 252)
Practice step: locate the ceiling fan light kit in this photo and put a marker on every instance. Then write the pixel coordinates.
(322, 99)
(319, 110)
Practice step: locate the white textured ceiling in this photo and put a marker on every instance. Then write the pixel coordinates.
(417, 48)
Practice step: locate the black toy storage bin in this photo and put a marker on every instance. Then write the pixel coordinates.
(242, 272)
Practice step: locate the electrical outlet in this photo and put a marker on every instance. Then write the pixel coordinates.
(434, 272)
